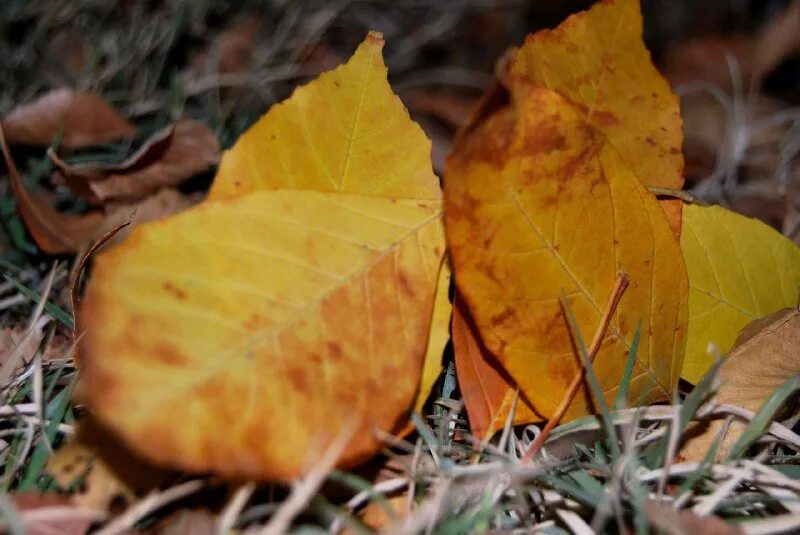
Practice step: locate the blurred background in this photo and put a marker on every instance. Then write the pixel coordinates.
(735, 63)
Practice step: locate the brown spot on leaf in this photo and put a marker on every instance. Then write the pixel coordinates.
(405, 284)
(604, 119)
(335, 351)
(174, 291)
(297, 377)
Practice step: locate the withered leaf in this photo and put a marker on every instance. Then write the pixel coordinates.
(764, 357)
(169, 157)
(85, 119)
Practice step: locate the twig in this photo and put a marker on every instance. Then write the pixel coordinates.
(616, 294)
(234, 508)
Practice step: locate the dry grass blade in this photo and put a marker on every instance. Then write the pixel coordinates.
(149, 504)
(305, 490)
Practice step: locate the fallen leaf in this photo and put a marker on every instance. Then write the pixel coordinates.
(187, 522)
(66, 525)
(52, 231)
(334, 134)
(309, 305)
(169, 157)
(375, 516)
(597, 58)
(762, 359)
(98, 471)
(539, 205)
(84, 118)
(162, 204)
(486, 388)
(232, 50)
(671, 522)
(438, 336)
(739, 270)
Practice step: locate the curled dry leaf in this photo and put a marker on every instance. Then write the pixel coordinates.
(169, 157)
(764, 357)
(283, 313)
(535, 190)
(487, 389)
(739, 269)
(84, 118)
(52, 231)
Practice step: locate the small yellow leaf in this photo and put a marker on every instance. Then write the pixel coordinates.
(438, 337)
(765, 356)
(346, 131)
(540, 205)
(236, 336)
(739, 270)
(597, 59)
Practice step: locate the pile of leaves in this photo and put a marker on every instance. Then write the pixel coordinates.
(293, 326)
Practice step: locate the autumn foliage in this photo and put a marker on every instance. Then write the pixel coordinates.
(310, 293)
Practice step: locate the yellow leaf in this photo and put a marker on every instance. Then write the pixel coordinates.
(764, 357)
(438, 337)
(240, 336)
(237, 336)
(597, 59)
(540, 205)
(739, 270)
(346, 131)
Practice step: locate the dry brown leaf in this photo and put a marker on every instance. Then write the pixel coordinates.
(85, 118)
(169, 157)
(52, 231)
(29, 501)
(487, 389)
(764, 357)
(671, 522)
(164, 203)
(187, 522)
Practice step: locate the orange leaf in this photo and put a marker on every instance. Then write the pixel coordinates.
(486, 388)
(539, 203)
(597, 59)
(86, 119)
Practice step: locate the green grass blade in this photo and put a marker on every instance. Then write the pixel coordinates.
(594, 382)
(764, 417)
(52, 309)
(55, 412)
(621, 401)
